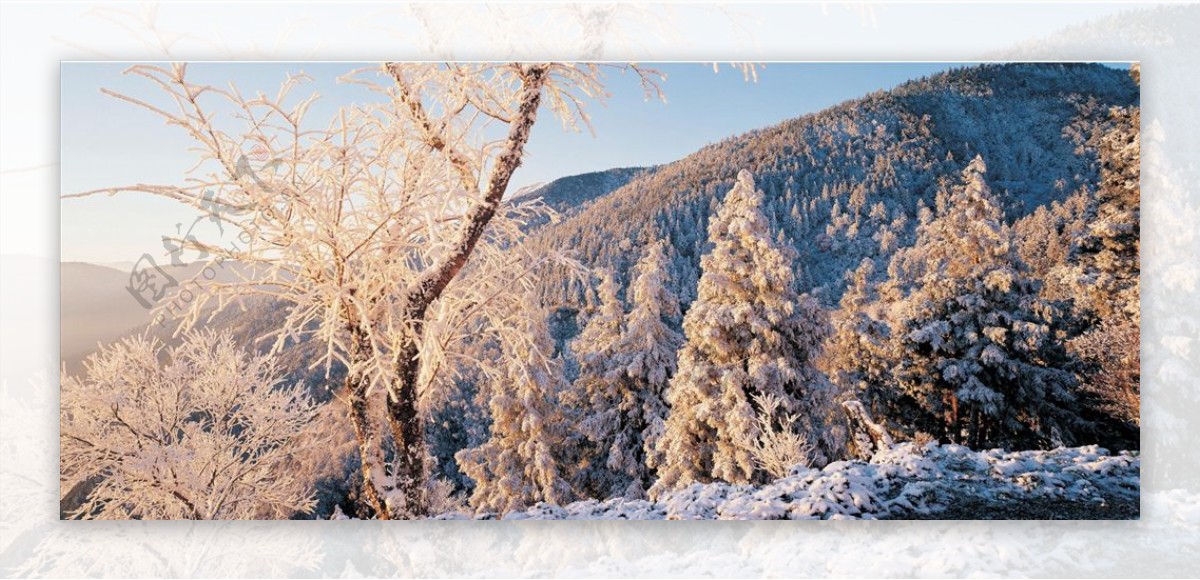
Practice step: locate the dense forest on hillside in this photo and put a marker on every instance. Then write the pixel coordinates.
(849, 182)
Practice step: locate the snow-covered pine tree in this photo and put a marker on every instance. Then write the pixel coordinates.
(1106, 281)
(521, 463)
(646, 357)
(858, 357)
(593, 347)
(597, 393)
(977, 348)
(625, 363)
(1108, 250)
(749, 336)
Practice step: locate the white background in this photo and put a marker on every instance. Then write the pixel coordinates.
(1166, 542)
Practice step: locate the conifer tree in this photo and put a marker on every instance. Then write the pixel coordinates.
(597, 392)
(858, 357)
(1106, 283)
(521, 463)
(977, 348)
(750, 337)
(646, 356)
(626, 361)
(594, 346)
(1108, 250)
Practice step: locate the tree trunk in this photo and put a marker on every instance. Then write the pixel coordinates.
(974, 429)
(866, 436)
(368, 445)
(953, 428)
(408, 431)
(356, 399)
(403, 416)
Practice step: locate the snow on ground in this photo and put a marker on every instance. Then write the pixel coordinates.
(902, 482)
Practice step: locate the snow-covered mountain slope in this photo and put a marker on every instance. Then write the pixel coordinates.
(571, 194)
(848, 182)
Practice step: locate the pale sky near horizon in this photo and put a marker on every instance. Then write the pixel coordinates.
(106, 142)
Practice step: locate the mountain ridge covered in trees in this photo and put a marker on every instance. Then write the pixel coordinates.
(848, 182)
(571, 194)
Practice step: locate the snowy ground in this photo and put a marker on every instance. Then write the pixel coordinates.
(905, 482)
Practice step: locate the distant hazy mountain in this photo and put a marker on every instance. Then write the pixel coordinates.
(96, 305)
(95, 308)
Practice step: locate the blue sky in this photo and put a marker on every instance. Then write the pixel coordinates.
(106, 142)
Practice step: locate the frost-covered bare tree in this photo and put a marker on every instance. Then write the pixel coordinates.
(361, 225)
(778, 448)
(207, 434)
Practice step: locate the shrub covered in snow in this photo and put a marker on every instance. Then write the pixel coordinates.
(203, 430)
